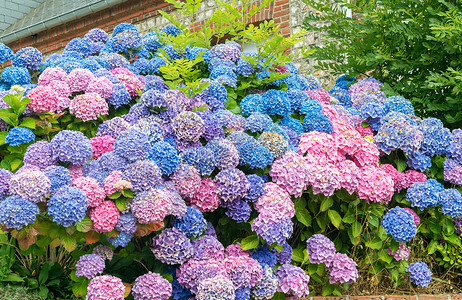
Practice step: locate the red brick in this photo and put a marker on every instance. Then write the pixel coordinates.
(365, 297)
(400, 297)
(281, 2)
(433, 297)
(327, 298)
(456, 297)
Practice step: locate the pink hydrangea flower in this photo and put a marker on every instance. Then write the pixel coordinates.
(290, 172)
(52, 74)
(408, 178)
(151, 206)
(123, 185)
(61, 88)
(401, 253)
(88, 106)
(78, 79)
(43, 99)
(205, 198)
(243, 270)
(110, 182)
(394, 174)
(324, 177)
(118, 71)
(330, 112)
(319, 146)
(235, 250)
(365, 131)
(101, 145)
(187, 180)
(375, 185)
(90, 186)
(100, 85)
(76, 171)
(367, 154)
(132, 83)
(349, 173)
(105, 287)
(275, 202)
(320, 95)
(105, 216)
(346, 136)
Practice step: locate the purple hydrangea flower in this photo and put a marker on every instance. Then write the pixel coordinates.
(231, 184)
(238, 210)
(5, 177)
(225, 153)
(215, 288)
(89, 265)
(292, 280)
(151, 286)
(194, 271)
(320, 249)
(188, 126)
(342, 269)
(104, 251)
(59, 176)
(285, 256)
(402, 253)
(127, 223)
(172, 246)
(208, 247)
(39, 154)
(143, 175)
(132, 145)
(71, 146)
(273, 231)
(30, 185)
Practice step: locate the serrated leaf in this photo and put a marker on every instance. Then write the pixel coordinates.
(349, 219)
(328, 289)
(334, 217)
(383, 255)
(432, 247)
(326, 203)
(356, 229)
(250, 242)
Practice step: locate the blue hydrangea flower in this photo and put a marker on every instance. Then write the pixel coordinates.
(309, 82)
(285, 256)
(344, 82)
(245, 68)
(400, 224)
(194, 52)
(6, 53)
(436, 137)
(28, 57)
(120, 95)
(127, 223)
(121, 240)
(317, 122)
(16, 212)
(127, 39)
(192, 223)
(293, 124)
(69, 65)
(296, 98)
(419, 273)
(91, 64)
(451, 201)
(400, 104)
(71, 146)
(341, 95)
(257, 122)
(140, 66)
(256, 189)
(203, 159)
(72, 55)
(424, 194)
(59, 177)
(215, 90)
(291, 67)
(242, 293)
(132, 145)
(153, 99)
(267, 287)
(15, 75)
(97, 35)
(67, 205)
(19, 135)
(255, 155)
(419, 161)
(310, 107)
(252, 104)
(276, 103)
(165, 156)
(172, 30)
(83, 46)
(371, 110)
(151, 42)
(264, 256)
(238, 210)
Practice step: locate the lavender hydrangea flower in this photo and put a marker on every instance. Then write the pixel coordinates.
(67, 205)
(127, 223)
(292, 280)
(225, 153)
(89, 265)
(342, 269)
(143, 175)
(419, 273)
(71, 146)
(151, 286)
(16, 212)
(215, 288)
(113, 127)
(59, 176)
(273, 231)
(285, 256)
(132, 145)
(320, 249)
(208, 247)
(231, 184)
(30, 185)
(39, 154)
(402, 253)
(151, 206)
(188, 126)
(238, 210)
(5, 177)
(400, 224)
(172, 246)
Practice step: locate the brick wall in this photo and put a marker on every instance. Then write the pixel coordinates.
(289, 14)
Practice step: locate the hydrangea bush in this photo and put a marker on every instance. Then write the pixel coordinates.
(236, 178)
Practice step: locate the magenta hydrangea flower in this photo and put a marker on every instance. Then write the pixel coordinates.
(151, 206)
(90, 186)
(63, 91)
(342, 269)
(101, 145)
(188, 126)
(408, 178)
(131, 82)
(375, 185)
(187, 180)
(105, 287)
(78, 79)
(349, 175)
(50, 74)
(101, 86)
(172, 246)
(392, 172)
(367, 154)
(346, 137)
(231, 184)
(402, 253)
(151, 286)
(39, 154)
(89, 265)
(43, 99)
(88, 106)
(105, 216)
(320, 249)
(320, 95)
(30, 185)
(205, 198)
(291, 173)
(292, 280)
(235, 250)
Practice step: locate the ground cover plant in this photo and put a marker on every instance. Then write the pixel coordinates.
(160, 166)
